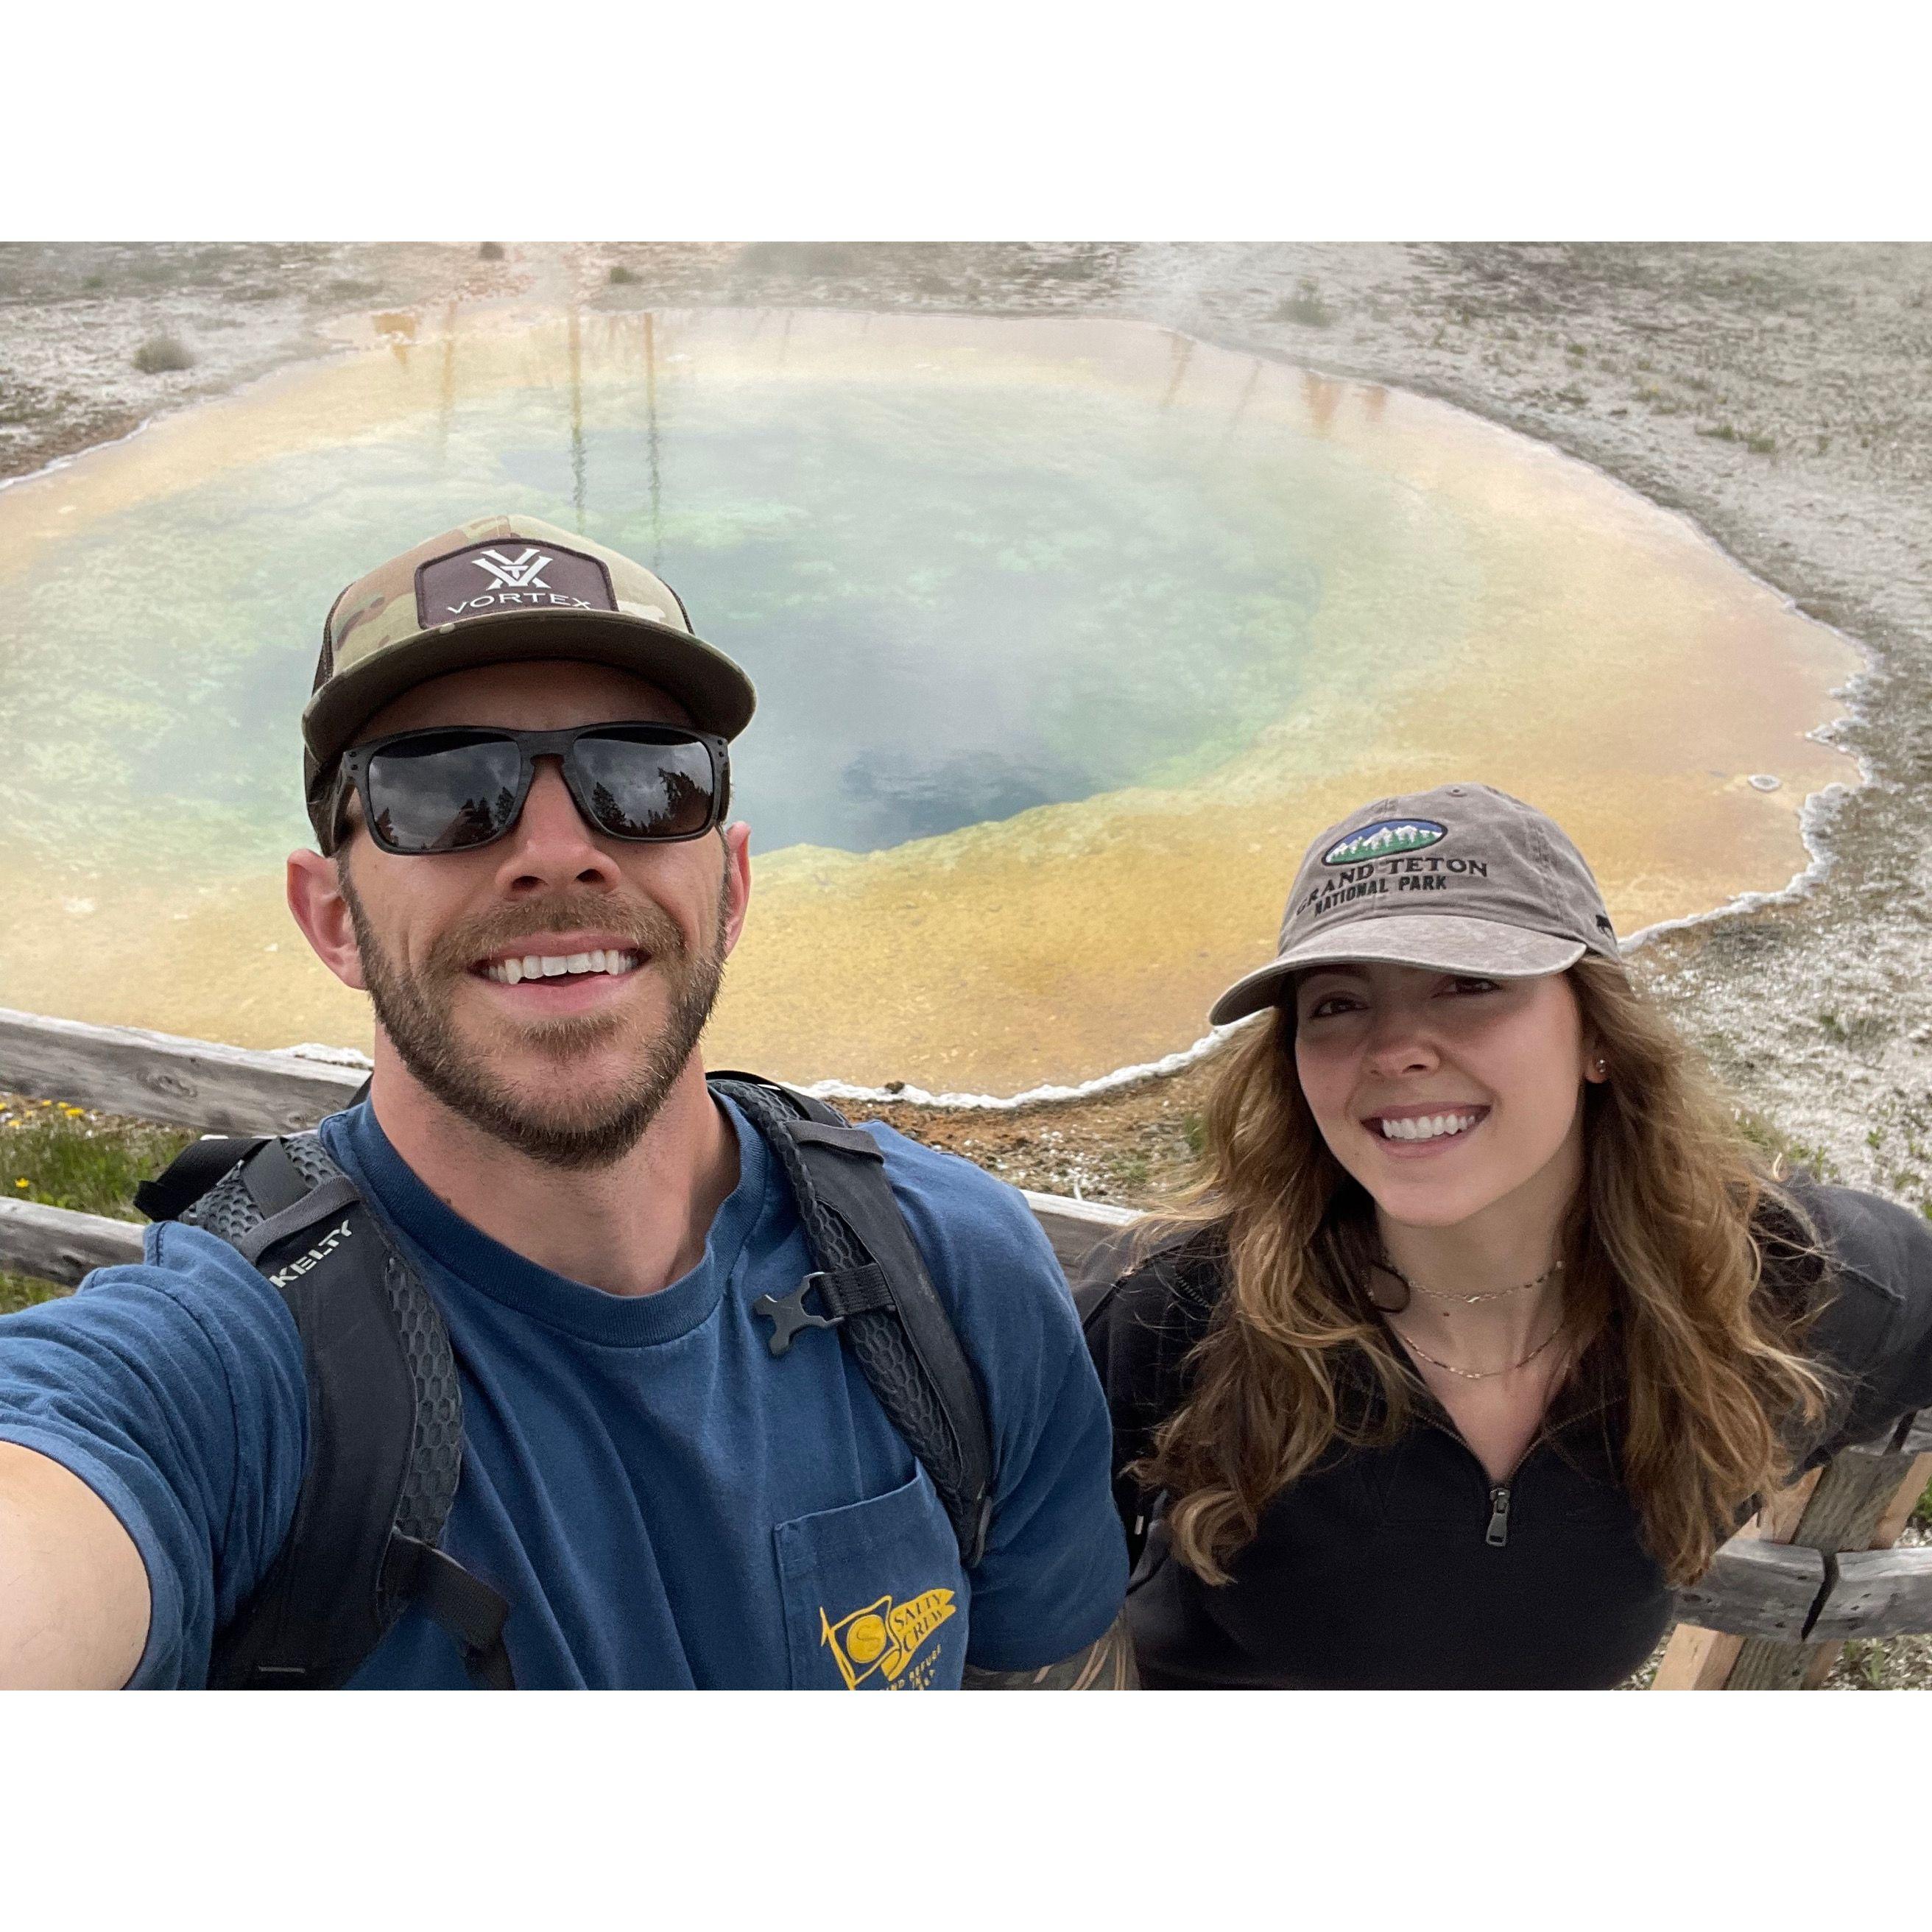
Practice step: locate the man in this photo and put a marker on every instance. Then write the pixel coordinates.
(662, 1501)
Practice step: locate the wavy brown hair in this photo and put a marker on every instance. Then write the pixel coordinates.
(1665, 1251)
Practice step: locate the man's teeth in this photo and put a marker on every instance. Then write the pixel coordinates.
(555, 965)
(1429, 1127)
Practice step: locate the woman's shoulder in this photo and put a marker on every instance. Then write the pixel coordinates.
(1871, 1265)
(1153, 1275)
(1865, 1252)
(1144, 1301)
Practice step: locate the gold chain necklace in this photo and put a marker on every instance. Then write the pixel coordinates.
(1485, 1295)
(1478, 1375)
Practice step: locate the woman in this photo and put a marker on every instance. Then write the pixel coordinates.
(1482, 1327)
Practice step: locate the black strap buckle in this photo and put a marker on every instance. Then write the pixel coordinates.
(788, 1316)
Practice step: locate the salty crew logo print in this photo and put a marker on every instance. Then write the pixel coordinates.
(884, 1640)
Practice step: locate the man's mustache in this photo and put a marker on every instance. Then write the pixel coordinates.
(649, 928)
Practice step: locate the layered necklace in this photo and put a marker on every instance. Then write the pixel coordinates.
(1470, 1301)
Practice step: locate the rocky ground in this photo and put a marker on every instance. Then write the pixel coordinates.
(1774, 394)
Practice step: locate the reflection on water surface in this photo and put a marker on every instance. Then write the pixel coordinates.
(1067, 636)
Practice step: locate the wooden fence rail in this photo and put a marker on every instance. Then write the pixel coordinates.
(231, 1089)
(1815, 1569)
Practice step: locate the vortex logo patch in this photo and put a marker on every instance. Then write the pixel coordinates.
(522, 573)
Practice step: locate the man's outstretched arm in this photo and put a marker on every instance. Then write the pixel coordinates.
(73, 1592)
(1105, 1664)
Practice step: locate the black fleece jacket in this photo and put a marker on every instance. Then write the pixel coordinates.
(1405, 1566)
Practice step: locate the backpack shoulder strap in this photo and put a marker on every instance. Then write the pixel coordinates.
(872, 1281)
(192, 1173)
(385, 1428)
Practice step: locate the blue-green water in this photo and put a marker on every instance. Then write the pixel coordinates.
(958, 599)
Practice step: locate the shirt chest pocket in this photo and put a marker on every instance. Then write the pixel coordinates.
(874, 1598)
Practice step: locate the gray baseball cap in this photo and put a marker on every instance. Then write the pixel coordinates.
(1463, 879)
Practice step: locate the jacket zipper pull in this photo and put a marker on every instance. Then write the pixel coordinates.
(1497, 1535)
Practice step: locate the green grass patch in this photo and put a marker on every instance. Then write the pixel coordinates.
(1864, 1664)
(1775, 1144)
(1859, 1030)
(21, 1290)
(61, 1157)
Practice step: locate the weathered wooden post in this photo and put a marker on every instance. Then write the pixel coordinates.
(1835, 1531)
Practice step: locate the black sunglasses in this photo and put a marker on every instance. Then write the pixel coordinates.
(455, 788)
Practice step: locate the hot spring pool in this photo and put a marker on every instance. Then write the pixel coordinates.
(1067, 637)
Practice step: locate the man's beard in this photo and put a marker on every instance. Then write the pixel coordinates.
(418, 1025)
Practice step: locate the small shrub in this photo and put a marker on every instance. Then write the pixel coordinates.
(806, 259)
(1720, 432)
(1305, 305)
(162, 354)
(622, 277)
(490, 251)
(1761, 444)
(1861, 1029)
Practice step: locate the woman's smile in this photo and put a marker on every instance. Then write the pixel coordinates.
(1423, 1132)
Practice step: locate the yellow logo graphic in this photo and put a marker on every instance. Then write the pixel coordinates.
(882, 1638)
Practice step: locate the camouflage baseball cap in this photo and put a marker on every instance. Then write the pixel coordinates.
(496, 590)
(1463, 879)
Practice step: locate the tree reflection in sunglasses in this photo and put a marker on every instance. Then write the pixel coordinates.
(667, 802)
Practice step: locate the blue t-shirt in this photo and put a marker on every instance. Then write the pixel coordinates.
(663, 1501)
